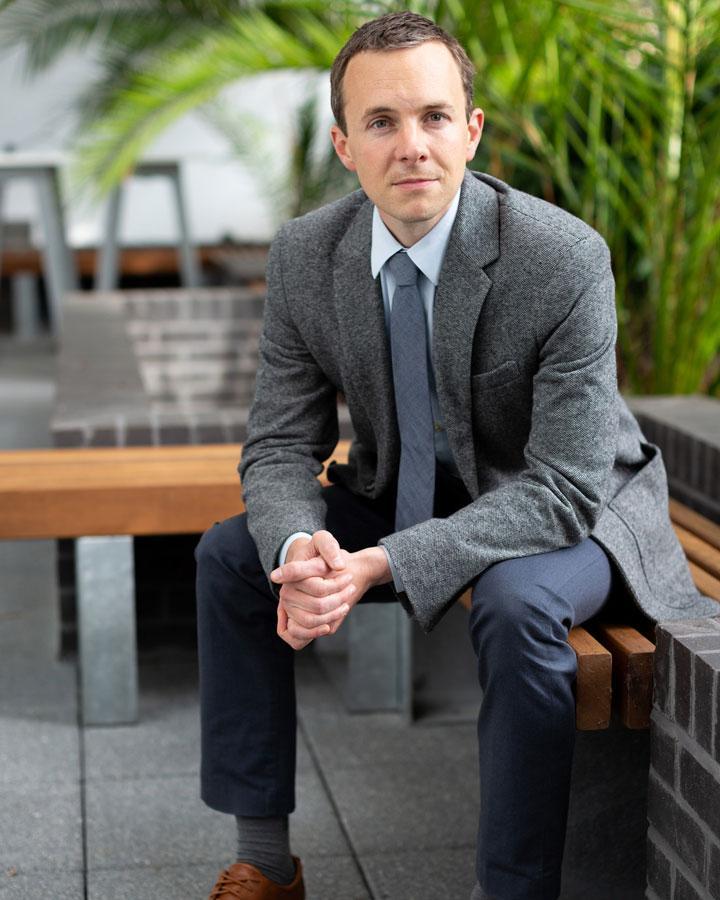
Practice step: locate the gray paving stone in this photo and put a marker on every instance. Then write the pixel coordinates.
(38, 752)
(40, 828)
(147, 822)
(165, 746)
(444, 873)
(55, 885)
(32, 688)
(326, 878)
(333, 878)
(314, 829)
(166, 739)
(159, 822)
(379, 738)
(158, 882)
(400, 806)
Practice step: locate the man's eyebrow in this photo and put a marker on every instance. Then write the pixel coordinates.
(384, 110)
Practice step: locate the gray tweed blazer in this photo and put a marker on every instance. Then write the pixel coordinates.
(523, 347)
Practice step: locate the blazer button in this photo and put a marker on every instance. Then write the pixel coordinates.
(369, 485)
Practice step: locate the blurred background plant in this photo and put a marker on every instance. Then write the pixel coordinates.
(609, 109)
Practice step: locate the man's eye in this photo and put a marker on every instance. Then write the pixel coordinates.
(379, 123)
(437, 117)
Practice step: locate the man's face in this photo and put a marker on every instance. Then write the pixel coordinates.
(407, 137)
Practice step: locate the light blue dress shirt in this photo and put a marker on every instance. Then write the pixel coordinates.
(427, 254)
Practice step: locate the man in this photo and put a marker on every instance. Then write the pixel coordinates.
(471, 329)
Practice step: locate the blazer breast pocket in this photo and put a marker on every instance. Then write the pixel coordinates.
(503, 374)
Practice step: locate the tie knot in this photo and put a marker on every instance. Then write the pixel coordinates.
(403, 269)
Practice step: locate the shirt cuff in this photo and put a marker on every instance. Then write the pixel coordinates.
(397, 580)
(286, 546)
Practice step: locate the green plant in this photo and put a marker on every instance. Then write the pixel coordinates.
(610, 109)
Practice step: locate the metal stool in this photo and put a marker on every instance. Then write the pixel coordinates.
(58, 262)
(106, 271)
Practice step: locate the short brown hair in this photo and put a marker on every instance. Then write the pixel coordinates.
(396, 31)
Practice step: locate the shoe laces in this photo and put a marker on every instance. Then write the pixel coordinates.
(233, 886)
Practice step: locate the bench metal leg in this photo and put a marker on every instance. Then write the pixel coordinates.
(106, 622)
(379, 659)
(59, 268)
(190, 275)
(106, 262)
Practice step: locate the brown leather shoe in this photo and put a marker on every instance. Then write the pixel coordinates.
(241, 881)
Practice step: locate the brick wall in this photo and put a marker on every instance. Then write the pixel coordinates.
(683, 846)
(148, 367)
(687, 430)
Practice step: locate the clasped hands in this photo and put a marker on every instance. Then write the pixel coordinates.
(320, 583)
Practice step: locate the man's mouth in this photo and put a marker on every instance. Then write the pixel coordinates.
(414, 182)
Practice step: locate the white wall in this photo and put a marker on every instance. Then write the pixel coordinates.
(224, 196)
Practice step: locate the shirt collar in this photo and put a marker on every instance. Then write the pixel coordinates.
(427, 253)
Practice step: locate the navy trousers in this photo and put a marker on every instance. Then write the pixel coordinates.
(522, 611)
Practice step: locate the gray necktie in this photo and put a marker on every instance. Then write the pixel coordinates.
(408, 342)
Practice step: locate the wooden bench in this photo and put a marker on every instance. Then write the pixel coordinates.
(615, 660)
(105, 496)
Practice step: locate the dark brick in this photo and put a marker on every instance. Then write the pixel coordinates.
(684, 890)
(682, 658)
(659, 869)
(105, 436)
(676, 826)
(705, 679)
(70, 437)
(139, 435)
(701, 790)
(174, 433)
(663, 695)
(714, 872)
(663, 750)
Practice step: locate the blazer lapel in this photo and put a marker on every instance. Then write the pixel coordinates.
(363, 338)
(459, 298)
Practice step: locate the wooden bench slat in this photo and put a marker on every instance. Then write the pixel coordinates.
(86, 455)
(120, 490)
(632, 666)
(593, 688)
(183, 488)
(705, 582)
(699, 551)
(695, 523)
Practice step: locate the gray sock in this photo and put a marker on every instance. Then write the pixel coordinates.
(265, 844)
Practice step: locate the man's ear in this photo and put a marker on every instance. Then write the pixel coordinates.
(340, 143)
(475, 127)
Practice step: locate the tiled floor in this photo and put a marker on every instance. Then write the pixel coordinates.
(384, 810)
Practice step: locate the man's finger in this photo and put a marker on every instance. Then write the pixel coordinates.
(294, 598)
(329, 549)
(299, 632)
(299, 569)
(322, 587)
(308, 620)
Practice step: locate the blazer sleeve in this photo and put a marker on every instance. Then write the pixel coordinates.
(292, 426)
(557, 498)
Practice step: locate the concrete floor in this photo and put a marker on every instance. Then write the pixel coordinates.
(114, 813)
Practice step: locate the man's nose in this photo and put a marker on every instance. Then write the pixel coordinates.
(410, 144)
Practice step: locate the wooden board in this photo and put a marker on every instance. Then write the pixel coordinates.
(120, 490)
(632, 666)
(593, 688)
(705, 582)
(695, 523)
(699, 551)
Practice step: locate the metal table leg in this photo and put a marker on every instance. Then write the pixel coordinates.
(379, 659)
(107, 639)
